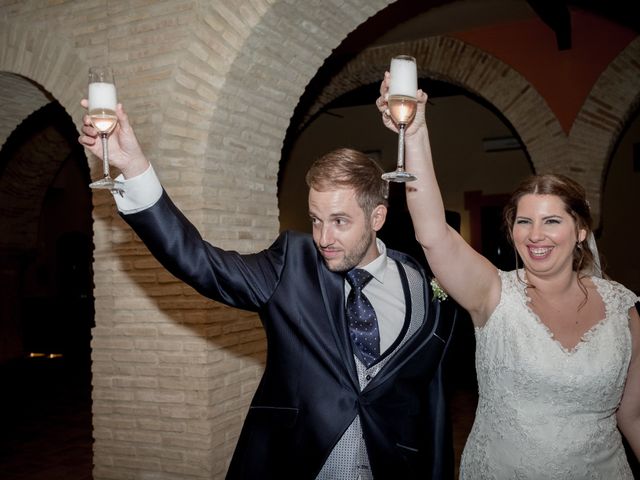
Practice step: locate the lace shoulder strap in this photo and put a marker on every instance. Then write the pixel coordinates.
(615, 293)
(512, 282)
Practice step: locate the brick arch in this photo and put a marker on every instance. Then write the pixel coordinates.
(583, 154)
(191, 103)
(611, 103)
(228, 105)
(48, 61)
(253, 106)
(451, 60)
(30, 169)
(19, 98)
(34, 69)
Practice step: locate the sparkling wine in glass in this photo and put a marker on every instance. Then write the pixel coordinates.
(102, 112)
(403, 89)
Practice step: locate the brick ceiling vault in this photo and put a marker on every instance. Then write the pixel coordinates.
(46, 60)
(611, 104)
(254, 103)
(262, 86)
(34, 68)
(584, 154)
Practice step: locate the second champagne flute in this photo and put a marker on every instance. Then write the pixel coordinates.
(403, 89)
(102, 112)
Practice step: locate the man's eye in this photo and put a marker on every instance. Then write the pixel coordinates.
(340, 221)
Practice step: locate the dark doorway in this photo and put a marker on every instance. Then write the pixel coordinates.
(495, 245)
(486, 228)
(46, 254)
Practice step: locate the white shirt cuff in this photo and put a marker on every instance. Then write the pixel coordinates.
(140, 192)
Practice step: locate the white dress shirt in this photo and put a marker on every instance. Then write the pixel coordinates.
(140, 192)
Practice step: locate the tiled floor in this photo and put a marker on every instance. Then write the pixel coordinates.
(463, 408)
(45, 421)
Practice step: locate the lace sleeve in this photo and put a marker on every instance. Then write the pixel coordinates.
(625, 297)
(619, 299)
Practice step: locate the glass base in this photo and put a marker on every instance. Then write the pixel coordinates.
(108, 184)
(399, 176)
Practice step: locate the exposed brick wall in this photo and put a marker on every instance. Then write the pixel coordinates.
(32, 169)
(613, 100)
(19, 98)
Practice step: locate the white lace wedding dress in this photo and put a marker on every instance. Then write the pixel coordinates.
(545, 412)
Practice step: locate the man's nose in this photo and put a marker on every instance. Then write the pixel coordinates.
(326, 236)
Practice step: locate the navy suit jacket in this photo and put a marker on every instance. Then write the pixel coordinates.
(309, 393)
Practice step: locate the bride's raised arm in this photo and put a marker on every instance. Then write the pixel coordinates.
(465, 274)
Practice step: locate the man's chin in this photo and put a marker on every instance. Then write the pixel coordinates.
(334, 266)
(338, 266)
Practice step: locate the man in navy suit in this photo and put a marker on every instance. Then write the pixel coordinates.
(322, 410)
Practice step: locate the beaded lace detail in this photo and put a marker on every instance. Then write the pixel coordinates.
(544, 411)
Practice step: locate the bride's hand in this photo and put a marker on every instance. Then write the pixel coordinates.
(383, 106)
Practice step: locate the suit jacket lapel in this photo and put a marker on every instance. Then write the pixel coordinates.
(422, 335)
(332, 290)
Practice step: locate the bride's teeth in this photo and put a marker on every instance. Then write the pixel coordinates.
(539, 251)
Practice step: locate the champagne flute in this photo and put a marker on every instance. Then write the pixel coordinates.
(403, 89)
(102, 113)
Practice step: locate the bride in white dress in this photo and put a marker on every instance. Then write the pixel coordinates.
(558, 347)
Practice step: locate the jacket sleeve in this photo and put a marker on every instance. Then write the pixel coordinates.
(439, 426)
(242, 281)
(442, 461)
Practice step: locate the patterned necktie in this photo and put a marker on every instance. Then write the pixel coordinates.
(363, 324)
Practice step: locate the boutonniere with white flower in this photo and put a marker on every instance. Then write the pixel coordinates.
(438, 292)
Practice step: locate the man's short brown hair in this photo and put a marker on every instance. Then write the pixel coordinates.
(348, 168)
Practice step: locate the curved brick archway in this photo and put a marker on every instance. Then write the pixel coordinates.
(584, 154)
(283, 51)
(25, 180)
(46, 60)
(612, 102)
(453, 61)
(19, 97)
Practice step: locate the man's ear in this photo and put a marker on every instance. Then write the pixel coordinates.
(378, 217)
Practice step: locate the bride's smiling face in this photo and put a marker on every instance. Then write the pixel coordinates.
(544, 234)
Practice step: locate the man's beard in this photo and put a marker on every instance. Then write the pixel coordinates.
(353, 257)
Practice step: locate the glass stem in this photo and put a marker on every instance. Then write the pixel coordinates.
(105, 155)
(400, 165)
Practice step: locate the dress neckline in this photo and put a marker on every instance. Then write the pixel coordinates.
(586, 336)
